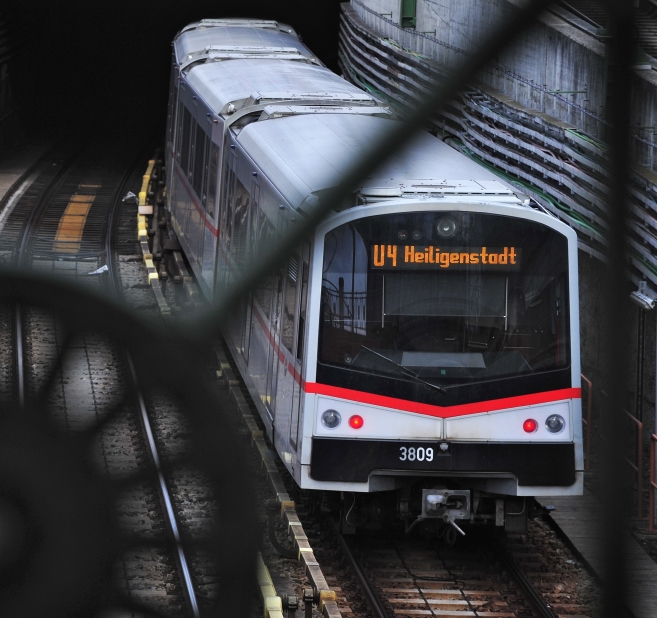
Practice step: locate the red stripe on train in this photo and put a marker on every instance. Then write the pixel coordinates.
(204, 217)
(405, 405)
(440, 411)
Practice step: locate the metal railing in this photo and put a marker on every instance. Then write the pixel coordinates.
(586, 422)
(653, 485)
(636, 465)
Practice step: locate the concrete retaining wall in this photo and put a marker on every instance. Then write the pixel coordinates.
(556, 56)
(551, 56)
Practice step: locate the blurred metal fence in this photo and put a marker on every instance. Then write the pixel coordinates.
(612, 456)
(551, 150)
(206, 327)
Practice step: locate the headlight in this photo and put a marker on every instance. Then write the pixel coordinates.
(331, 419)
(555, 423)
(446, 227)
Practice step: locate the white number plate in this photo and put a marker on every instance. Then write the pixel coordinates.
(416, 453)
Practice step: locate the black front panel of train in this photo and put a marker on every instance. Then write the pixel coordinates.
(352, 461)
(474, 303)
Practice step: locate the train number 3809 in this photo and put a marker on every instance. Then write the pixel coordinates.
(415, 454)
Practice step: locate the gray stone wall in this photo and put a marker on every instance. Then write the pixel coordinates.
(551, 56)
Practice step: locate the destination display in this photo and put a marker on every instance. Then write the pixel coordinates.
(407, 257)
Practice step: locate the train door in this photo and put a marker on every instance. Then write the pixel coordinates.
(171, 121)
(272, 354)
(210, 230)
(288, 376)
(275, 322)
(300, 334)
(247, 327)
(226, 215)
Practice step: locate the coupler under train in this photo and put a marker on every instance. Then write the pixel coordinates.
(429, 511)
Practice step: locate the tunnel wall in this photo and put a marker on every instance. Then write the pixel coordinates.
(551, 56)
(555, 56)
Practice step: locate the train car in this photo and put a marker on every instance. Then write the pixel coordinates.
(418, 357)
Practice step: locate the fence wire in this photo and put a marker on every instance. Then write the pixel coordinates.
(208, 324)
(374, 154)
(612, 423)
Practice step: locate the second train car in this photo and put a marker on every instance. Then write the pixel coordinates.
(418, 357)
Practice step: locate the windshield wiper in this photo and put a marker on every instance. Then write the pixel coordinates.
(405, 370)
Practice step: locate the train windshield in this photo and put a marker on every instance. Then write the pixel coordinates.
(442, 299)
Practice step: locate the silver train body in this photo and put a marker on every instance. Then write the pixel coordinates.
(427, 334)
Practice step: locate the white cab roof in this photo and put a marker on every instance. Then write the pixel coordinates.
(191, 41)
(221, 83)
(308, 154)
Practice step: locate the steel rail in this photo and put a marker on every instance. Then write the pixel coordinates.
(372, 599)
(542, 608)
(38, 211)
(19, 258)
(20, 360)
(538, 605)
(165, 495)
(24, 180)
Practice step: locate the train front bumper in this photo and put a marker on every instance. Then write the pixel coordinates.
(532, 464)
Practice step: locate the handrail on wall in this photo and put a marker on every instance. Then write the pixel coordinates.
(653, 485)
(637, 467)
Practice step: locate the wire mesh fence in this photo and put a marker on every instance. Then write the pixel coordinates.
(206, 326)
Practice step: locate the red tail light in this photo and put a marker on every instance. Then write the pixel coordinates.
(530, 425)
(356, 422)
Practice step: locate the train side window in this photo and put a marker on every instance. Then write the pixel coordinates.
(265, 235)
(229, 192)
(173, 103)
(200, 148)
(240, 232)
(179, 131)
(302, 310)
(277, 301)
(213, 168)
(257, 217)
(289, 301)
(185, 141)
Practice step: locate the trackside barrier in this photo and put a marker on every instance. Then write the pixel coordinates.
(146, 209)
(587, 421)
(271, 602)
(146, 187)
(653, 486)
(320, 595)
(637, 466)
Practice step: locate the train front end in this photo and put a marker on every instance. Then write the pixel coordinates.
(446, 358)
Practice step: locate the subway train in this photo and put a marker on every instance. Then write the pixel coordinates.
(416, 359)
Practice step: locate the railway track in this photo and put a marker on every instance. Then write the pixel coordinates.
(387, 573)
(71, 222)
(407, 576)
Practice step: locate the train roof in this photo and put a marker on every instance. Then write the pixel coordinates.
(305, 155)
(221, 84)
(236, 35)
